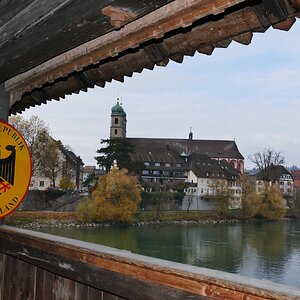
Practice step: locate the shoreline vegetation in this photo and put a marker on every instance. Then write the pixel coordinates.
(41, 219)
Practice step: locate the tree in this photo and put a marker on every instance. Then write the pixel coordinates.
(50, 163)
(268, 203)
(117, 151)
(66, 183)
(221, 195)
(273, 205)
(37, 136)
(264, 160)
(251, 200)
(116, 197)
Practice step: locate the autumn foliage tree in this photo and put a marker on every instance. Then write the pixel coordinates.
(267, 204)
(37, 135)
(115, 198)
(272, 204)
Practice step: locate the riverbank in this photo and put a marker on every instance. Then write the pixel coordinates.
(43, 219)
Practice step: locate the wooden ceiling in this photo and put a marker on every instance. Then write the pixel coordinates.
(49, 49)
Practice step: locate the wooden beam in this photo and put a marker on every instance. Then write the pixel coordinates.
(172, 16)
(285, 25)
(133, 276)
(4, 103)
(35, 13)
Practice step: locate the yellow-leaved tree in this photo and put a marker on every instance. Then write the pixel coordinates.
(115, 198)
(273, 205)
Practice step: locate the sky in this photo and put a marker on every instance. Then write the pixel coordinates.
(250, 94)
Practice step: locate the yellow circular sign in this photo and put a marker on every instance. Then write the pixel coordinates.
(15, 169)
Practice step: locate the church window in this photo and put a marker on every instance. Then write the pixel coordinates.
(116, 121)
(116, 131)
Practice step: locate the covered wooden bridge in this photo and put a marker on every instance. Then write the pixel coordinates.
(49, 49)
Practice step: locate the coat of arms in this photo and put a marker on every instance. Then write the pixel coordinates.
(15, 169)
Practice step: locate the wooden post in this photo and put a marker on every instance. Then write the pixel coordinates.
(4, 112)
(4, 103)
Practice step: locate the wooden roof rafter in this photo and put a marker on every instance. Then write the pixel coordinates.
(177, 29)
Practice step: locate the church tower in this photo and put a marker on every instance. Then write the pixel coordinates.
(118, 122)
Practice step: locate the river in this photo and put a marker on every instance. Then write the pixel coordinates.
(268, 251)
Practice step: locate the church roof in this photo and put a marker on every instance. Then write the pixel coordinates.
(162, 155)
(203, 166)
(118, 110)
(212, 148)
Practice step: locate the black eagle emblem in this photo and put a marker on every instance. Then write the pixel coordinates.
(7, 169)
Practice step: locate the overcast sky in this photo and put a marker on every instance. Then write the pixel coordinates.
(250, 94)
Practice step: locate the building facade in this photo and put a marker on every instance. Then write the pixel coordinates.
(166, 162)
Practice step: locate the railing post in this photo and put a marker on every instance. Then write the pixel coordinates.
(4, 112)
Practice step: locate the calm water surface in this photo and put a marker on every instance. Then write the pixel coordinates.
(269, 251)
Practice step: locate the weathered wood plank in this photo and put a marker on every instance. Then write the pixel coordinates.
(81, 291)
(40, 27)
(94, 294)
(19, 279)
(2, 262)
(44, 284)
(8, 278)
(63, 288)
(129, 276)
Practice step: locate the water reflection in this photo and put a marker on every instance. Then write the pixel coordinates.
(263, 250)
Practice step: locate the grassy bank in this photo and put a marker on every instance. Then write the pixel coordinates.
(50, 217)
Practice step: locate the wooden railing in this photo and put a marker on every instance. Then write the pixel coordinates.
(38, 266)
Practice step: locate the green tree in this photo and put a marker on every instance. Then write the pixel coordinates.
(115, 198)
(117, 151)
(90, 180)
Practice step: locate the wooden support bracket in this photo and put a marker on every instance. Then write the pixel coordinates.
(118, 17)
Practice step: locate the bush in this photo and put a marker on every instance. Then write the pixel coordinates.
(115, 198)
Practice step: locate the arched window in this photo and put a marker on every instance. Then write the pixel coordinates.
(116, 121)
(116, 131)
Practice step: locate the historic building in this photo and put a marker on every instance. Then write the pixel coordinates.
(199, 163)
(118, 122)
(279, 175)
